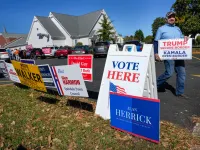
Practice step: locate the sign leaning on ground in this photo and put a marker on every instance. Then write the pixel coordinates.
(130, 72)
(28, 61)
(29, 75)
(12, 73)
(47, 76)
(69, 80)
(138, 116)
(86, 65)
(3, 71)
(174, 49)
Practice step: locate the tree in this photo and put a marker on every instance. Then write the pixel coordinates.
(187, 15)
(106, 32)
(128, 38)
(197, 41)
(139, 35)
(158, 22)
(149, 39)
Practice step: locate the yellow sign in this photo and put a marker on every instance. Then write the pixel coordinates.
(29, 75)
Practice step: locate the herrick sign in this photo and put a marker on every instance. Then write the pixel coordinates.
(175, 49)
(138, 116)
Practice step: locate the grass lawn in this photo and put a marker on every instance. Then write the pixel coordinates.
(36, 120)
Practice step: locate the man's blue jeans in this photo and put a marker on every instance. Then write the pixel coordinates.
(170, 66)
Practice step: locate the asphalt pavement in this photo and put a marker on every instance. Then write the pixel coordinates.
(173, 109)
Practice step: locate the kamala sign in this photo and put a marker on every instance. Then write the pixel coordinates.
(175, 49)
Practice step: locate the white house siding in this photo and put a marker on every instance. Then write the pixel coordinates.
(68, 40)
(34, 39)
(85, 41)
(59, 42)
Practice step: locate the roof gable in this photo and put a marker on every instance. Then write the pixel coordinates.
(78, 26)
(51, 28)
(18, 42)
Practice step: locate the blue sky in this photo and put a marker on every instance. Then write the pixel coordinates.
(128, 15)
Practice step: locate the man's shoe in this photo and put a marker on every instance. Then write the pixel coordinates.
(161, 89)
(182, 96)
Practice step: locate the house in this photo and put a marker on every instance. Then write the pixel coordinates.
(6, 38)
(19, 43)
(63, 29)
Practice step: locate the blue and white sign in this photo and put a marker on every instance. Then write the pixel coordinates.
(138, 116)
(69, 80)
(47, 76)
(28, 61)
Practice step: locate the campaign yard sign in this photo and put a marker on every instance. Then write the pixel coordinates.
(138, 116)
(29, 75)
(47, 76)
(69, 80)
(3, 71)
(12, 73)
(28, 61)
(86, 65)
(175, 49)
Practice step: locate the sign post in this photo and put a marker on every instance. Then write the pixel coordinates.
(86, 65)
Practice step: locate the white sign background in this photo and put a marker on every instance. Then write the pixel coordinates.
(12, 73)
(175, 49)
(72, 72)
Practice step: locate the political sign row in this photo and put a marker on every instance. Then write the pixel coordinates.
(66, 79)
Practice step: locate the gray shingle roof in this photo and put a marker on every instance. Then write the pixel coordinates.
(51, 28)
(19, 42)
(78, 26)
(13, 35)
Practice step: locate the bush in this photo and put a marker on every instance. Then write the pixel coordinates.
(79, 44)
(197, 41)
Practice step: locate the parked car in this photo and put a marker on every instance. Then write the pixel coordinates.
(34, 53)
(4, 55)
(63, 52)
(81, 50)
(137, 43)
(101, 48)
(49, 51)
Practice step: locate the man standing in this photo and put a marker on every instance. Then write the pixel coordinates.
(170, 31)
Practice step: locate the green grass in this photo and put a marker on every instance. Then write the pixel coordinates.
(40, 120)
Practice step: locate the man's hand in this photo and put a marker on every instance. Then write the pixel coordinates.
(157, 57)
(186, 38)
